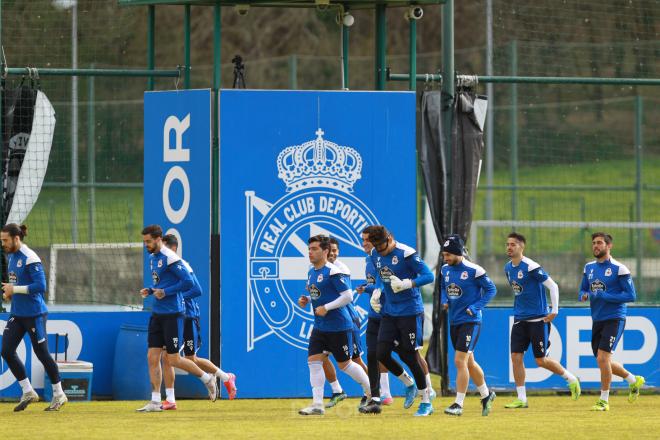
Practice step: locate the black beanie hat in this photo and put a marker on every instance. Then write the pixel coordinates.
(454, 245)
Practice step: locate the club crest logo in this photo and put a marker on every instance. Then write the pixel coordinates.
(319, 178)
(517, 288)
(454, 291)
(520, 275)
(319, 278)
(314, 292)
(464, 275)
(160, 263)
(608, 272)
(395, 260)
(19, 263)
(596, 286)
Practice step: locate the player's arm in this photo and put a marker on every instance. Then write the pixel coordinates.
(627, 293)
(343, 299)
(583, 294)
(184, 282)
(488, 292)
(444, 299)
(424, 274)
(542, 277)
(196, 289)
(342, 284)
(37, 284)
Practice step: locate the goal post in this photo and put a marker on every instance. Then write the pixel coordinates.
(122, 261)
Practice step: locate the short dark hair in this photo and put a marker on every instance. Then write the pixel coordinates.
(517, 236)
(378, 234)
(154, 230)
(171, 240)
(333, 240)
(604, 235)
(322, 240)
(15, 231)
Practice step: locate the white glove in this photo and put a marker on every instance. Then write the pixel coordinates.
(375, 301)
(399, 285)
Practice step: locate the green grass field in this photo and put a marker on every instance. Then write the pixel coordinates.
(555, 417)
(119, 211)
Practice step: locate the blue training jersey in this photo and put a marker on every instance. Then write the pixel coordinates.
(609, 286)
(169, 274)
(465, 286)
(403, 262)
(526, 280)
(351, 306)
(373, 282)
(190, 295)
(24, 269)
(325, 285)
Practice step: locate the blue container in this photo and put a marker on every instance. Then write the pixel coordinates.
(130, 373)
(76, 381)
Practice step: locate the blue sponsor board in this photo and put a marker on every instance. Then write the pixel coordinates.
(91, 337)
(177, 181)
(296, 164)
(570, 344)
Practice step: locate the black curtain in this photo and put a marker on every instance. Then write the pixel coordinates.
(450, 178)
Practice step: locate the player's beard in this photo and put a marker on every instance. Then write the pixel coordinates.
(600, 254)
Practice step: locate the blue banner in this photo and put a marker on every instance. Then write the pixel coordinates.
(177, 180)
(296, 164)
(91, 337)
(570, 344)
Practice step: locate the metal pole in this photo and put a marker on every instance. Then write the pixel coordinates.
(91, 177)
(151, 40)
(381, 45)
(412, 84)
(449, 91)
(74, 124)
(293, 71)
(514, 133)
(344, 55)
(639, 141)
(490, 127)
(215, 288)
(186, 46)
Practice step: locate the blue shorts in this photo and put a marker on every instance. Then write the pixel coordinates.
(464, 336)
(339, 344)
(357, 344)
(166, 331)
(605, 335)
(535, 332)
(192, 338)
(405, 332)
(16, 328)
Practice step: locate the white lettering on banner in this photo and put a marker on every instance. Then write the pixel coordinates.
(179, 153)
(177, 234)
(37, 371)
(538, 374)
(576, 348)
(646, 351)
(176, 173)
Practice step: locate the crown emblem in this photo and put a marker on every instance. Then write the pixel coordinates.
(319, 163)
